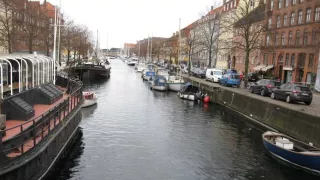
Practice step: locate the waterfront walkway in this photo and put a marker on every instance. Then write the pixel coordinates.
(312, 109)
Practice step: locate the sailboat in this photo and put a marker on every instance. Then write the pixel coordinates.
(175, 83)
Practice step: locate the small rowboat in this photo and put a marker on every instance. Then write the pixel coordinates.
(90, 99)
(292, 151)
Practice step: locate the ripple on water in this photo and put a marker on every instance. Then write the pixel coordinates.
(135, 133)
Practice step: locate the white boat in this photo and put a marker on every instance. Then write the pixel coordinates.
(159, 83)
(175, 83)
(90, 99)
(189, 92)
(163, 72)
(141, 67)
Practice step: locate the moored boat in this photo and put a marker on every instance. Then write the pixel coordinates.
(140, 67)
(292, 151)
(189, 92)
(159, 83)
(175, 83)
(148, 74)
(39, 121)
(90, 99)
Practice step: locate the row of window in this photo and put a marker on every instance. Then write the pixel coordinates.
(284, 3)
(300, 39)
(292, 21)
(289, 59)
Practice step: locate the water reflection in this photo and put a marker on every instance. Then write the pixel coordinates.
(88, 111)
(70, 165)
(135, 133)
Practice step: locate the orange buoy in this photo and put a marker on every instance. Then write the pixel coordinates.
(206, 99)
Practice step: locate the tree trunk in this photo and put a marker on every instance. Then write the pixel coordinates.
(30, 46)
(246, 68)
(68, 52)
(189, 63)
(210, 58)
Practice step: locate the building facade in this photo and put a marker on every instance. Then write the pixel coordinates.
(292, 42)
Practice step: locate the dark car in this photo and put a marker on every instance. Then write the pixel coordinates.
(198, 72)
(253, 77)
(264, 87)
(293, 93)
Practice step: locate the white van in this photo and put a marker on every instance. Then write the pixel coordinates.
(213, 75)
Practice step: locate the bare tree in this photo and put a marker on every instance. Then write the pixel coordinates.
(246, 22)
(207, 30)
(32, 24)
(189, 42)
(7, 8)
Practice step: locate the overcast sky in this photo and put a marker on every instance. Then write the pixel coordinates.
(131, 20)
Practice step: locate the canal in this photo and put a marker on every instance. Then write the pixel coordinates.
(137, 134)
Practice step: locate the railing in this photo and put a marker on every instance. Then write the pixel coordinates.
(29, 134)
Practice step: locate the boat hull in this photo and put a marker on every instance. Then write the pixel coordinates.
(191, 97)
(306, 162)
(175, 86)
(159, 88)
(88, 103)
(37, 165)
(131, 64)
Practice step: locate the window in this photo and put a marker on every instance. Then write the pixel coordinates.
(285, 19)
(301, 59)
(308, 16)
(271, 5)
(305, 37)
(286, 63)
(276, 41)
(300, 17)
(311, 58)
(293, 14)
(274, 58)
(283, 39)
(314, 37)
(278, 21)
(265, 58)
(317, 14)
(292, 59)
(270, 23)
(294, 2)
(290, 38)
(268, 40)
(252, 3)
(286, 3)
(280, 4)
(298, 37)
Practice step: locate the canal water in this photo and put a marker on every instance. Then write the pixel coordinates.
(137, 134)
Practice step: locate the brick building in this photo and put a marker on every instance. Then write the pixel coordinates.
(292, 41)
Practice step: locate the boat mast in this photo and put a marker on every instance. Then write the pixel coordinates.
(59, 32)
(107, 45)
(179, 58)
(148, 49)
(151, 48)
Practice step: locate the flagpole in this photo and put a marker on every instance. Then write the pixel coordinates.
(59, 32)
(54, 43)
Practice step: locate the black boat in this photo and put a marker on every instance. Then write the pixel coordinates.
(92, 71)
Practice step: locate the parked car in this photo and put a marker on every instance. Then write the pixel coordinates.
(264, 87)
(227, 71)
(230, 79)
(293, 93)
(198, 72)
(213, 75)
(253, 77)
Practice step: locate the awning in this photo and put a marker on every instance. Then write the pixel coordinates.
(258, 68)
(287, 68)
(267, 68)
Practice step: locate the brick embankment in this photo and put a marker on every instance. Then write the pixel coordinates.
(297, 120)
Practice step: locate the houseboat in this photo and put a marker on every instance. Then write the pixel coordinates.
(39, 118)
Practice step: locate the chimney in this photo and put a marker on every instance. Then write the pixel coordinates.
(224, 1)
(211, 8)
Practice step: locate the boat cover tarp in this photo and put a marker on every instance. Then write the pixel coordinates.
(189, 88)
(160, 81)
